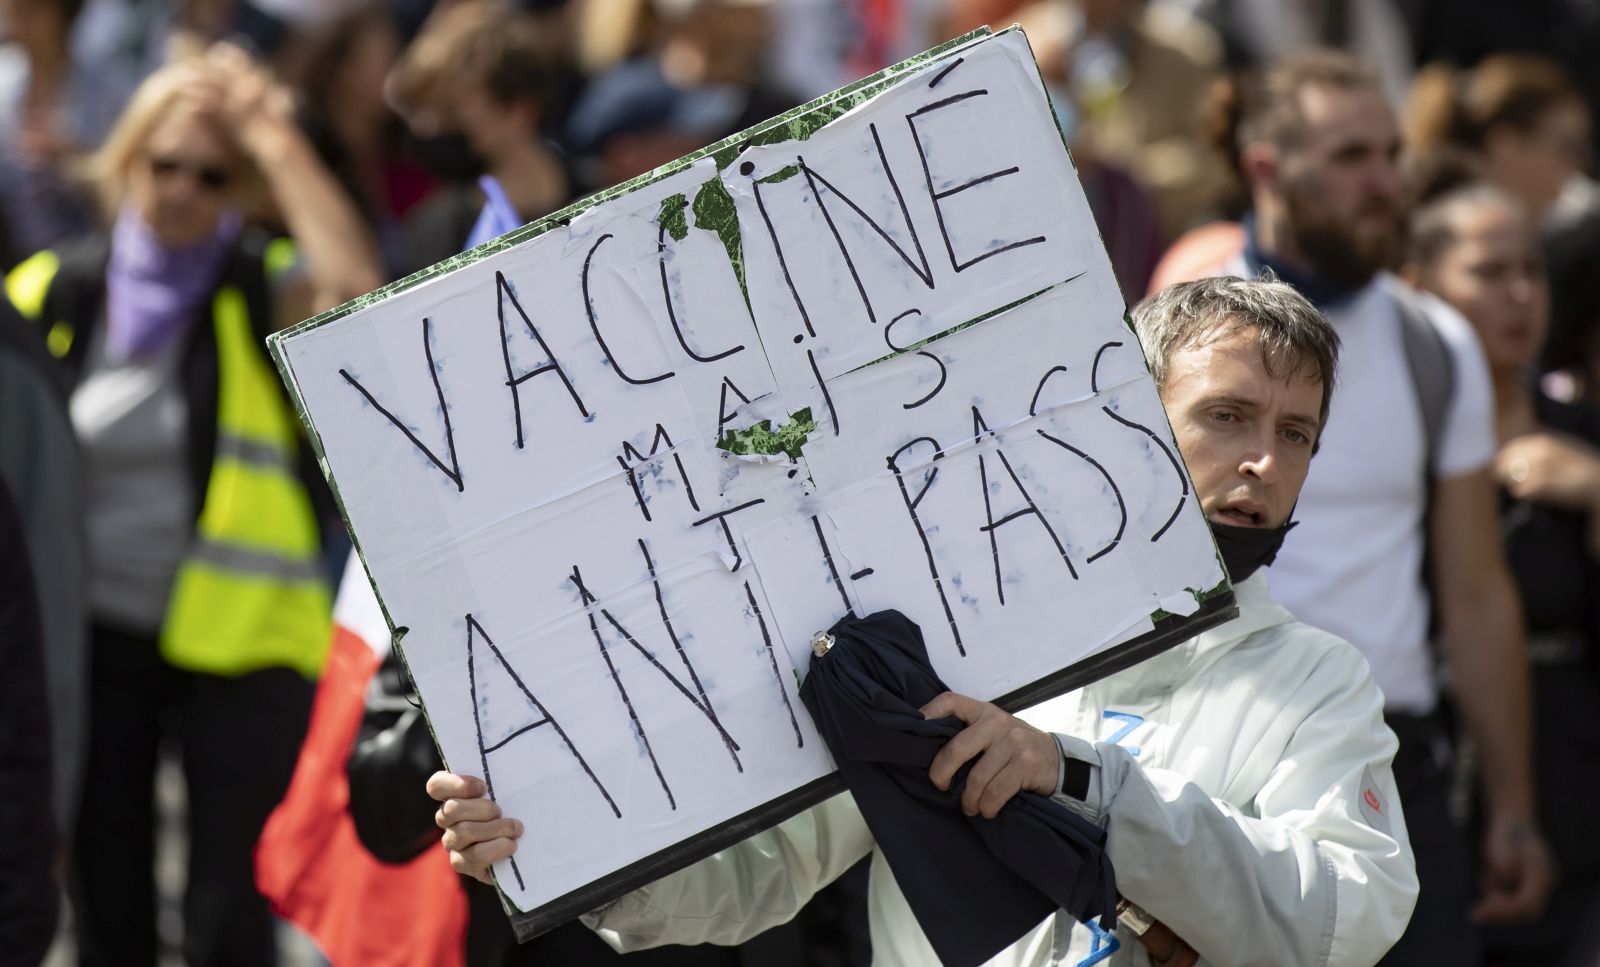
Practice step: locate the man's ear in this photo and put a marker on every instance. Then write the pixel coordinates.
(1261, 165)
(525, 111)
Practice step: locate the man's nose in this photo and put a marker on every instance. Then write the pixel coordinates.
(1383, 179)
(1261, 462)
(1521, 287)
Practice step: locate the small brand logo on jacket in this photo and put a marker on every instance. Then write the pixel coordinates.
(1371, 805)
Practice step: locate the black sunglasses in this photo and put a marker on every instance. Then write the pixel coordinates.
(210, 177)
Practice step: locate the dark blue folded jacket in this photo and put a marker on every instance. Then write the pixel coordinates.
(976, 885)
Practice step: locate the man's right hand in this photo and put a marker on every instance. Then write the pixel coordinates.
(475, 835)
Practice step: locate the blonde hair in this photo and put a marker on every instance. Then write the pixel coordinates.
(107, 169)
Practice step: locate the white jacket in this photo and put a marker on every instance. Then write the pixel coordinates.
(1243, 780)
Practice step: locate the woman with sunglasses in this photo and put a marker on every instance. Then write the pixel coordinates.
(1474, 245)
(206, 590)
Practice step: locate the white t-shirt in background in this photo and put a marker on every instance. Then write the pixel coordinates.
(1352, 566)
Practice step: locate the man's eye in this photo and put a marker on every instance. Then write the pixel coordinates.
(1298, 437)
(1223, 416)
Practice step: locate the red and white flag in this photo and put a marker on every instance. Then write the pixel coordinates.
(309, 862)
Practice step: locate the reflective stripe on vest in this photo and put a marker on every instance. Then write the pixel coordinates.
(251, 593)
(26, 287)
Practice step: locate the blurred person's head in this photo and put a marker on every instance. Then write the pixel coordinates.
(1472, 244)
(1246, 371)
(173, 161)
(196, 23)
(1103, 16)
(209, 18)
(477, 84)
(340, 63)
(705, 43)
(1521, 114)
(39, 25)
(608, 32)
(633, 119)
(1317, 148)
(695, 89)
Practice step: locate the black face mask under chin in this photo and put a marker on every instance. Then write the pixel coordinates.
(1248, 549)
(450, 156)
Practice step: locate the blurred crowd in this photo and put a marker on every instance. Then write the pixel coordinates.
(180, 178)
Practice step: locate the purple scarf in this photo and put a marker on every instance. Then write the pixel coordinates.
(152, 291)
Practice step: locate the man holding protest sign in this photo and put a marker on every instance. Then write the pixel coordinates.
(1242, 777)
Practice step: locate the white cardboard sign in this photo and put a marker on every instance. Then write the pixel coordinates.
(608, 616)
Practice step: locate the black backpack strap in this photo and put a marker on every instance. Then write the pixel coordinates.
(1433, 378)
(1433, 372)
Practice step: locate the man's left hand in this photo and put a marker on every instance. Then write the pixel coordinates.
(1011, 754)
(1518, 873)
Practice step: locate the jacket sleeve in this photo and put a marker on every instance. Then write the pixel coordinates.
(1315, 870)
(750, 887)
(389, 768)
(28, 888)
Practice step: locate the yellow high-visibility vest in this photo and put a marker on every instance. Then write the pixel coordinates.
(250, 592)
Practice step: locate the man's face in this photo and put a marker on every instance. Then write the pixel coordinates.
(1341, 186)
(1246, 435)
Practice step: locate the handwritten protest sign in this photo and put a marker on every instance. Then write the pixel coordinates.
(607, 614)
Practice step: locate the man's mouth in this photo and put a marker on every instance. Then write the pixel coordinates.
(1519, 332)
(1241, 515)
(1379, 208)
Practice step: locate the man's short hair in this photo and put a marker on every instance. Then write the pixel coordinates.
(1270, 109)
(1295, 339)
